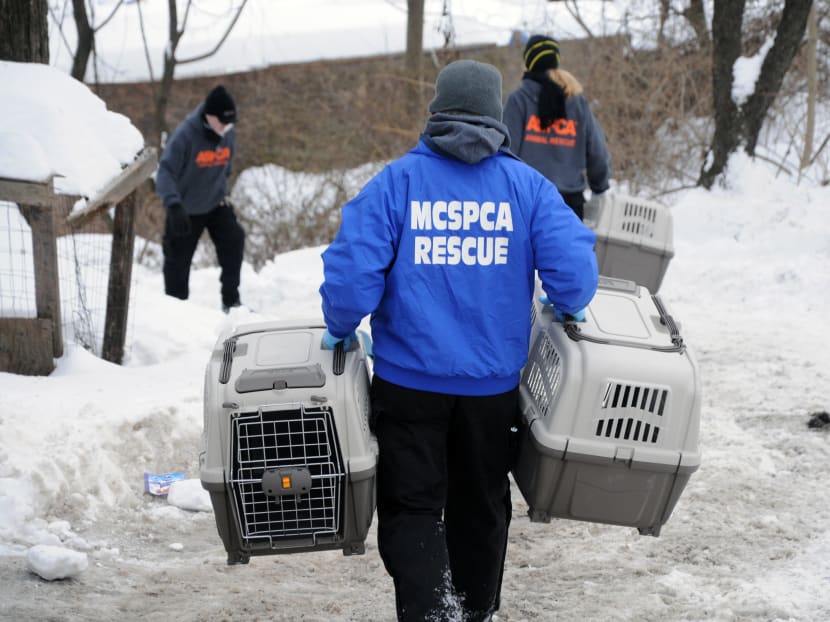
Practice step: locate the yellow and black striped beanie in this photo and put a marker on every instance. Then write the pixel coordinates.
(541, 53)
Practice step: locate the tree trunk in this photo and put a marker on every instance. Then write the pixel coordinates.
(415, 37)
(661, 30)
(812, 87)
(86, 39)
(788, 39)
(24, 31)
(727, 20)
(696, 17)
(165, 87)
(734, 125)
(168, 72)
(175, 33)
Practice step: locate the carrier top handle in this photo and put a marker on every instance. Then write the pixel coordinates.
(338, 360)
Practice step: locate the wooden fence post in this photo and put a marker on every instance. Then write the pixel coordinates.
(120, 276)
(45, 256)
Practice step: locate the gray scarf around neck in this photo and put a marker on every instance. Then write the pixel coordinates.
(468, 137)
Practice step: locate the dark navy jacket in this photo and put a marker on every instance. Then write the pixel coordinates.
(195, 166)
(566, 152)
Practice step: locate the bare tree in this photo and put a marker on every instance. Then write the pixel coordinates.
(726, 48)
(812, 87)
(696, 16)
(737, 125)
(664, 17)
(24, 31)
(573, 8)
(414, 37)
(86, 39)
(175, 33)
(83, 13)
(86, 35)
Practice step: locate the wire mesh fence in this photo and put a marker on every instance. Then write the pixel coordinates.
(83, 274)
(17, 274)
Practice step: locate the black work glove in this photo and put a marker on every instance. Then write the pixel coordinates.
(179, 220)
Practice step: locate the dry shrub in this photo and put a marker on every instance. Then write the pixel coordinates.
(281, 210)
(329, 116)
(650, 105)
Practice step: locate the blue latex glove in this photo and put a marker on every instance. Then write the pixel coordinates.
(578, 316)
(329, 340)
(366, 340)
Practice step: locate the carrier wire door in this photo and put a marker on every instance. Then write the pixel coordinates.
(287, 474)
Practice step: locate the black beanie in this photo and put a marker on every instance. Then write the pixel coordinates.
(541, 53)
(220, 104)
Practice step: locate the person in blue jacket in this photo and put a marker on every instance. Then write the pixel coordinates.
(552, 127)
(441, 248)
(192, 182)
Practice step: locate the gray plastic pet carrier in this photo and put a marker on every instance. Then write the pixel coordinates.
(610, 412)
(634, 238)
(287, 456)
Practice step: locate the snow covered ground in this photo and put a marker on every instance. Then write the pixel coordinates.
(749, 539)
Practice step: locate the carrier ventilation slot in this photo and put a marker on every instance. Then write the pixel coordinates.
(639, 219)
(227, 361)
(532, 314)
(283, 439)
(545, 374)
(647, 400)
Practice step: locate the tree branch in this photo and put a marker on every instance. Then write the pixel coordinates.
(788, 39)
(696, 16)
(110, 16)
(59, 23)
(221, 41)
(186, 15)
(144, 41)
(820, 149)
(574, 11)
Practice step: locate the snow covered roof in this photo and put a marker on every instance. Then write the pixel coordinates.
(52, 125)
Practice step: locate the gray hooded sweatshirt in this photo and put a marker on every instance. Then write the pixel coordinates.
(195, 166)
(467, 137)
(566, 152)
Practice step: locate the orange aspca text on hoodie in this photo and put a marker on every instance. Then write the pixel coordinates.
(211, 157)
(562, 132)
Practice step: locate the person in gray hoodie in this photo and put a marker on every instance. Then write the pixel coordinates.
(552, 127)
(192, 181)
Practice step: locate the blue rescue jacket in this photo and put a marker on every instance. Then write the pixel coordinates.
(442, 254)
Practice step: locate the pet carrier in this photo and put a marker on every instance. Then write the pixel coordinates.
(634, 238)
(288, 458)
(610, 412)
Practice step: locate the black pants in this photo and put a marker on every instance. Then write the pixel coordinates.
(443, 498)
(228, 238)
(576, 201)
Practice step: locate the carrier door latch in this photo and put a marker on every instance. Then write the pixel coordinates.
(286, 481)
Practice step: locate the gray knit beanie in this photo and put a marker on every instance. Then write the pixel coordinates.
(468, 86)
